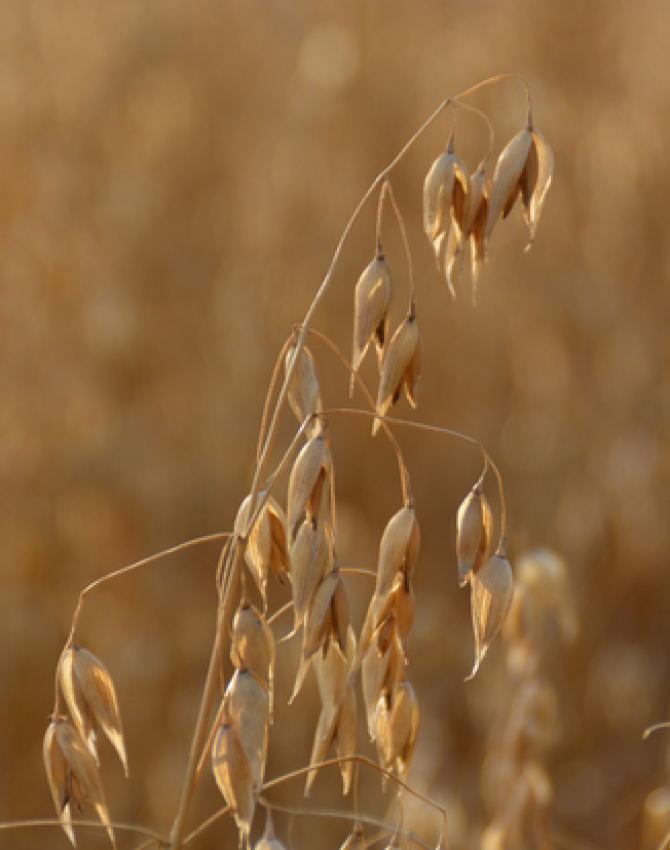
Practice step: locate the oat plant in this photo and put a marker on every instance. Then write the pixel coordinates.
(292, 537)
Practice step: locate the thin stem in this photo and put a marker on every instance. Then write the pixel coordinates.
(497, 79)
(205, 824)
(488, 124)
(380, 208)
(408, 253)
(150, 559)
(655, 728)
(404, 474)
(338, 814)
(95, 824)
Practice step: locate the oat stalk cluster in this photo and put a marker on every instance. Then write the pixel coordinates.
(292, 537)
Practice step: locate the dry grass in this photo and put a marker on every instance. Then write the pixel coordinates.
(132, 447)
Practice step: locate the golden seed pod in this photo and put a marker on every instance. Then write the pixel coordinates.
(252, 645)
(90, 696)
(525, 168)
(382, 673)
(332, 671)
(305, 486)
(473, 534)
(311, 555)
(537, 177)
(398, 548)
(402, 365)
(475, 226)
(324, 736)
(233, 776)
(372, 299)
(247, 710)
(269, 841)
(267, 547)
(397, 727)
(346, 736)
(506, 177)
(304, 394)
(492, 589)
(73, 776)
(447, 185)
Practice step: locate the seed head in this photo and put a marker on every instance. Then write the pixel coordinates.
(525, 168)
(372, 299)
(91, 699)
(397, 727)
(304, 394)
(267, 547)
(234, 778)
(306, 484)
(311, 555)
(492, 589)
(398, 548)
(401, 366)
(248, 711)
(473, 534)
(446, 188)
(73, 776)
(252, 645)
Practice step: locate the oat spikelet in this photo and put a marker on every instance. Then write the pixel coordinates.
(398, 548)
(525, 168)
(336, 725)
(401, 366)
(473, 534)
(91, 699)
(492, 589)
(397, 727)
(73, 776)
(446, 187)
(304, 394)
(267, 547)
(306, 484)
(252, 645)
(475, 229)
(372, 299)
(311, 555)
(248, 711)
(233, 776)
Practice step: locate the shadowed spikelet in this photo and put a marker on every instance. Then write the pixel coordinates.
(397, 724)
(267, 548)
(445, 189)
(248, 712)
(311, 555)
(73, 776)
(91, 699)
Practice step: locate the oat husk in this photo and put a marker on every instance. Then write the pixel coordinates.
(267, 546)
(304, 394)
(247, 709)
(473, 534)
(311, 555)
(252, 645)
(492, 589)
(234, 779)
(397, 724)
(446, 187)
(401, 367)
(372, 300)
(73, 776)
(90, 696)
(306, 484)
(398, 548)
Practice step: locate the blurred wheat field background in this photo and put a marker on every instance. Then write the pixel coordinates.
(174, 179)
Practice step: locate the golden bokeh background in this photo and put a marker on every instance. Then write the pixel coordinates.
(174, 179)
